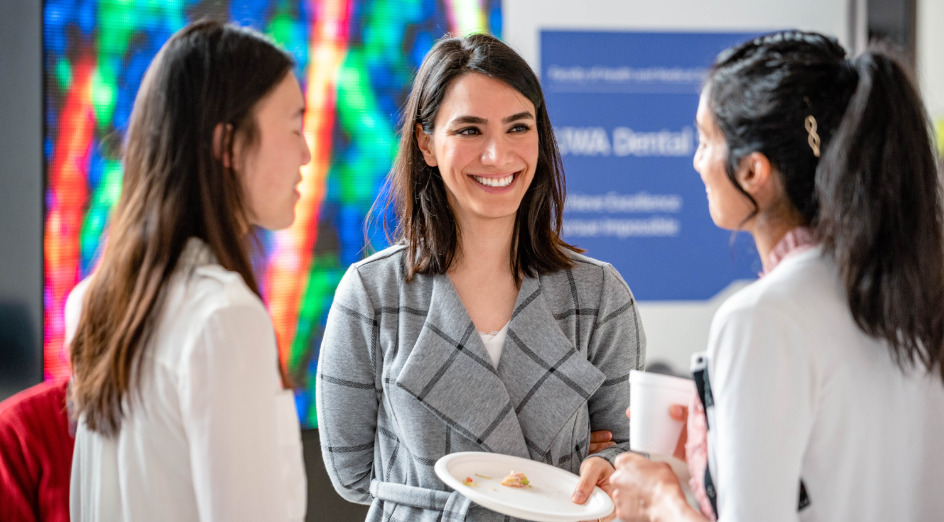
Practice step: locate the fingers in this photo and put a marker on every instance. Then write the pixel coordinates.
(593, 472)
(600, 446)
(583, 489)
(627, 460)
(636, 484)
(678, 412)
(679, 452)
(600, 440)
(625, 489)
(621, 461)
(624, 501)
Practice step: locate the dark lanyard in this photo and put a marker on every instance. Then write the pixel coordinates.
(703, 385)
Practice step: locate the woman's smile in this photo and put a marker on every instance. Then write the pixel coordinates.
(485, 146)
(495, 182)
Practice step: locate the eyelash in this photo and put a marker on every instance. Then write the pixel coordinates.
(472, 131)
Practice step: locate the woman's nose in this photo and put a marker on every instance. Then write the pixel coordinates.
(495, 151)
(306, 149)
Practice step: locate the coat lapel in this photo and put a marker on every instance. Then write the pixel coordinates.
(449, 371)
(544, 374)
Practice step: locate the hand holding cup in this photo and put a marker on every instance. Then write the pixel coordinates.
(657, 401)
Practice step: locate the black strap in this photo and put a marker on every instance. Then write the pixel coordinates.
(804, 498)
(703, 386)
(704, 390)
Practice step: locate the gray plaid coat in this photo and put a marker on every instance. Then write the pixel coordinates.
(403, 379)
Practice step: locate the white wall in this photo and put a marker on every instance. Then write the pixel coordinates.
(524, 19)
(677, 329)
(930, 56)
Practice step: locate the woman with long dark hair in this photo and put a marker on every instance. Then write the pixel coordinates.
(480, 330)
(182, 411)
(823, 382)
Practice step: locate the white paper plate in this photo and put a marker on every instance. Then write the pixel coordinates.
(548, 498)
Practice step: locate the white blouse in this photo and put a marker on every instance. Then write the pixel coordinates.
(801, 393)
(494, 341)
(210, 433)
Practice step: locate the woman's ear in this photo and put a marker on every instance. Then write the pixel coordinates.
(222, 136)
(424, 141)
(755, 174)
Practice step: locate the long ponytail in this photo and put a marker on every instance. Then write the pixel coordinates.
(880, 213)
(874, 197)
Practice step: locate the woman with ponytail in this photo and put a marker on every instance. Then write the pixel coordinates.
(823, 381)
(182, 411)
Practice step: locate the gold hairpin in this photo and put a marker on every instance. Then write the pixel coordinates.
(810, 124)
(813, 139)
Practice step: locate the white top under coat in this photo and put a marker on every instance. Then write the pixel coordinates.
(494, 341)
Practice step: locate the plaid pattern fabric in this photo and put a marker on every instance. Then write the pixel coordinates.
(404, 379)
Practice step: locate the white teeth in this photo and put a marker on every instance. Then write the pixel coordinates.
(496, 182)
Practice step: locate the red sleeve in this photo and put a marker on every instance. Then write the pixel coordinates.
(35, 454)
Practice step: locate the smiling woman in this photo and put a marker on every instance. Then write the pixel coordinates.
(485, 144)
(481, 330)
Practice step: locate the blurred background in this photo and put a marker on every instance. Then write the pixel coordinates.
(621, 80)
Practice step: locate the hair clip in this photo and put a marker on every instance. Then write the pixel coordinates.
(813, 138)
(810, 124)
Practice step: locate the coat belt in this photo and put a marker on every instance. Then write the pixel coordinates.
(453, 505)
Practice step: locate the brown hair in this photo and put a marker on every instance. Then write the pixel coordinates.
(426, 222)
(174, 188)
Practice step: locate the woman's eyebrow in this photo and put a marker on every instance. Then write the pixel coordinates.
(469, 119)
(524, 115)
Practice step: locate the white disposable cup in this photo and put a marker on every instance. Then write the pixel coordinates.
(651, 428)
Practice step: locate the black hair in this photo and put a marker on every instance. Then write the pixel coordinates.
(872, 193)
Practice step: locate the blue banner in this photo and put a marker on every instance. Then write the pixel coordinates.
(623, 108)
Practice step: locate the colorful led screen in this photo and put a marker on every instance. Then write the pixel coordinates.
(355, 62)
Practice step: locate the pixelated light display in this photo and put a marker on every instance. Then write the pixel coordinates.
(355, 61)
